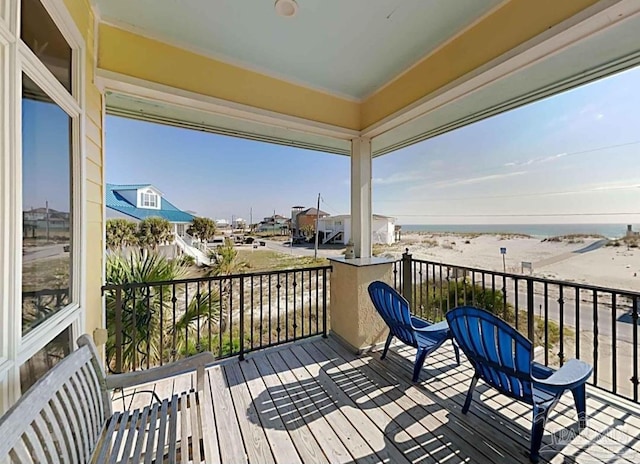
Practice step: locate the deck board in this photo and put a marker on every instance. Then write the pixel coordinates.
(316, 401)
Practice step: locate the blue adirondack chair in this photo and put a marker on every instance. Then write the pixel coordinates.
(503, 358)
(413, 331)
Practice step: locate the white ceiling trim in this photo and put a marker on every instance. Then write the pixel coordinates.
(591, 21)
(108, 80)
(224, 58)
(446, 42)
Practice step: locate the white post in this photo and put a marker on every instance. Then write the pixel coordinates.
(361, 196)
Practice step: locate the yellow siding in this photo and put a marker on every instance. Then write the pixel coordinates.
(83, 16)
(136, 56)
(513, 24)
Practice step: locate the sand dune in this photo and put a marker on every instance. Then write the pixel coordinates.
(616, 267)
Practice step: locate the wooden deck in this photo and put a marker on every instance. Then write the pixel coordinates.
(317, 402)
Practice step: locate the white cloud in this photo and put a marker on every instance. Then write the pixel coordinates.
(399, 178)
(475, 180)
(529, 162)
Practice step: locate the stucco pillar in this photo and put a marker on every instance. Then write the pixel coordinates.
(361, 196)
(352, 315)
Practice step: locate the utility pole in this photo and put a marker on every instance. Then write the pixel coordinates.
(250, 218)
(47, 218)
(315, 253)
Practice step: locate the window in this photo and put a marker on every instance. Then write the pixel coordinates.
(45, 359)
(42, 56)
(46, 199)
(149, 199)
(42, 36)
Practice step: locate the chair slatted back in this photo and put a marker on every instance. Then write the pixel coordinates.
(60, 418)
(500, 355)
(394, 309)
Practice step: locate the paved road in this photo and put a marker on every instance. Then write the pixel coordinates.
(43, 252)
(585, 312)
(303, 250)
(570, 254)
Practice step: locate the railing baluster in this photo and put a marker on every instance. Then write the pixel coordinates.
(317, 303)
(269, 309)
(278, 328)
(595, 337)
(310, 290)
(546, 324)
(516, 295)
(252, 318)
(561, 309)
(324, 303)
(242, 334)
(286, 306)
(504, 297)
(634, 318)
(577, 307)
(302, 303)
(531, 323)
(261, 313)
(161, 318)
(174, 300)
(134, 332)
(186, 326)
(148, 316)
(473, 288)
(614, 343)
(222, 318)
(230, 283)
(210, 297)
(198, 301)
(119, 329)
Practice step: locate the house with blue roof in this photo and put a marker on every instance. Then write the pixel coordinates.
(139, 201)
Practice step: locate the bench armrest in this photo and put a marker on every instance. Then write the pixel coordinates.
(129, 379)
(570, 375)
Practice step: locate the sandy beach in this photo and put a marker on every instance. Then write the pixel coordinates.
(615, 267)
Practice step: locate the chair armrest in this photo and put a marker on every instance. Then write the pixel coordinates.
(570, 375)
(198, 362)
(420, 325)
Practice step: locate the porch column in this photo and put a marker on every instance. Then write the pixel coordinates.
(361, 196)
(353, 317)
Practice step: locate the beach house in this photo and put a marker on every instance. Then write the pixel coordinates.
(359, 79)
(337, 229)
(140, 201)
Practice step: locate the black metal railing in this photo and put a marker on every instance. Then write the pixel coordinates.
(563, 319)
(152, 323)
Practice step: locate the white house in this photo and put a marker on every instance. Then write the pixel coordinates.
(337, 229)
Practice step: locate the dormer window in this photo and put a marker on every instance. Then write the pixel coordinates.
(149, 199)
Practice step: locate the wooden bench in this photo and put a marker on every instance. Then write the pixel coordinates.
(67, 417)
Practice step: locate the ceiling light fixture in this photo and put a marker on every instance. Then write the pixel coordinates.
(286, 8)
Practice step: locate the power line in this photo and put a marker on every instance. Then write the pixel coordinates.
(520, 195)
(517, 215)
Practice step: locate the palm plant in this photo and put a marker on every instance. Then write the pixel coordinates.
(154, 231)
(225, 262)
(202, 228)
(121, 233)
(157, 321)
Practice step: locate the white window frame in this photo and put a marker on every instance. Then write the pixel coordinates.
(17, 58)
(148, 194)
(149, 199)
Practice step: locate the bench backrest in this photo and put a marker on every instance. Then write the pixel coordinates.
(60, 418)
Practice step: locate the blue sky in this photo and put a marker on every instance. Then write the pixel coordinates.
(46, 161)
(573, 158)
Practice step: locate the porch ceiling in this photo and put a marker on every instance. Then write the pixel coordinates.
(349, 48)
(514, 52)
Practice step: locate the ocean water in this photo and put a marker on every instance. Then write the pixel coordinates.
(535, 230)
